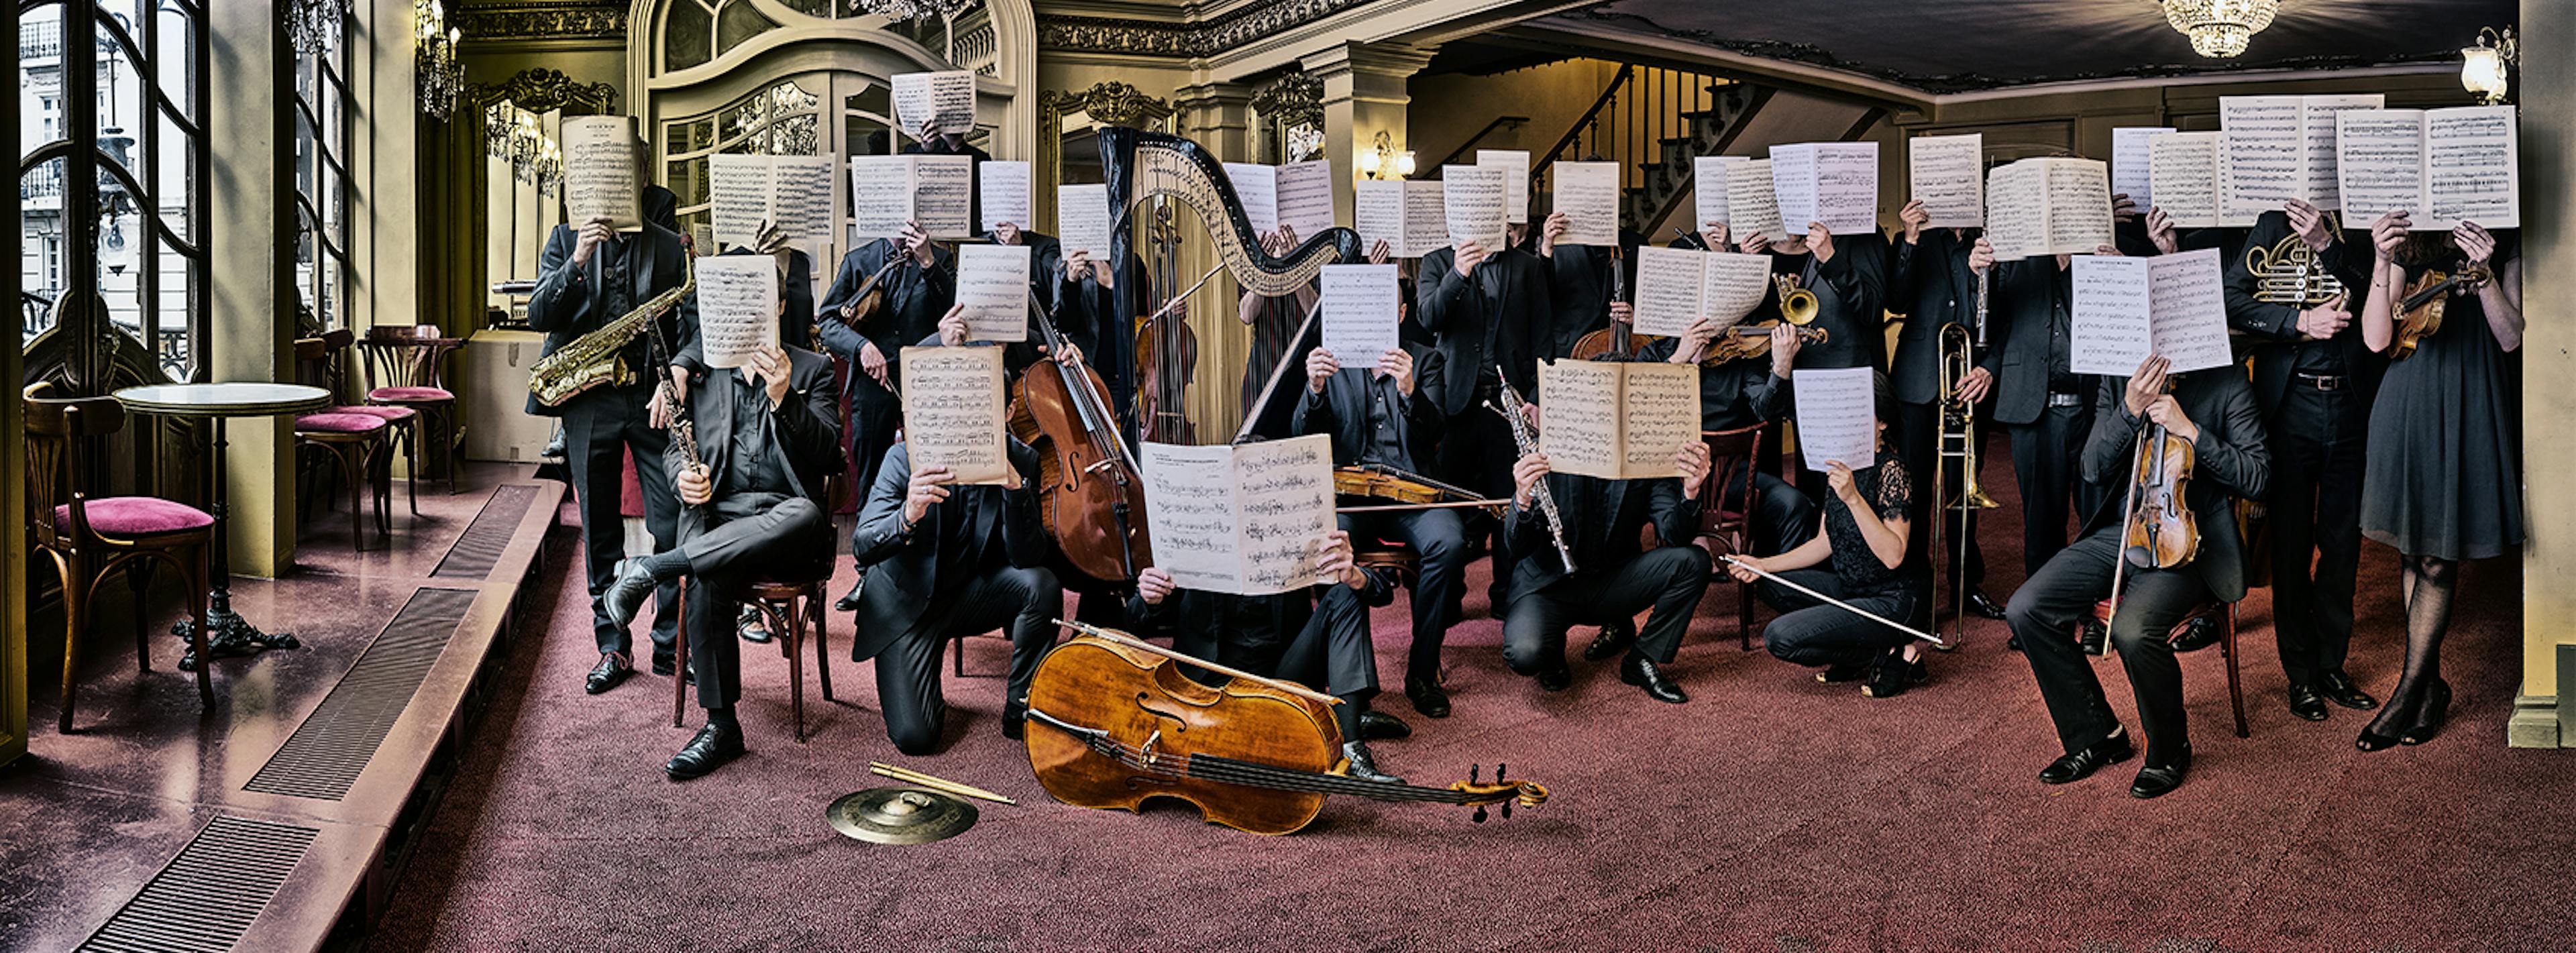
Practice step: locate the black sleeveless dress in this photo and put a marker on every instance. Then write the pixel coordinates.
(2444, 476)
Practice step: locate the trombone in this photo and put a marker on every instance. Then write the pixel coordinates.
(1958, 442)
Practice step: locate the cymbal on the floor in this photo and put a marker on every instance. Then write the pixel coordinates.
(900, 815)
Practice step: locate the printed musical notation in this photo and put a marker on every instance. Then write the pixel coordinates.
(993, 287)
(1833, 183)
(1515, 164)
(1617, 421)
(1004, 186)
(1709, 177)
(2048, 206)
(2132, 165)
(945, 99)
(1837, 416)
(1082, 216)
(600, 158)
(1678, 286)
(1947, 174)
(1472, 199)
(1360, 313)
(737, 308)
(1298, 195)
(2125, 309)
(1588, 194)
(1752, 204)
(1409, 216)
(937, 191)
(1249, 519)
(2443, 166)
(2182, 172)
(954, 412)
(792, 192)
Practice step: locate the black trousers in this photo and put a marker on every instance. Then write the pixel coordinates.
(1669, 578)
(1785, 519)
(2047, 456)
(2045, 612)
(1028, 601)
(2315, 509)
(1918, 443)
(875, 413)
(1331, 653)
(1476, 452)
(731, 542)
(1816, 634)
(1439, 538)
(600, 427)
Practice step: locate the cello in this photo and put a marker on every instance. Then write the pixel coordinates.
(1089, 492)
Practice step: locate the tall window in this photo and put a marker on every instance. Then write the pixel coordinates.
(322, 186)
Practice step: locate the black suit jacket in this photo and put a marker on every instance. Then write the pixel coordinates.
(1342, 409)
(1851, 298)
(1930, 280)
(565, 304)
(907, 571)
(1458, 308)
(2023, 301)
(2230, 461)
(804, 434)
(1088, 313)
(1583, 502)
(916, 297)
(2276, 326)
(1579, 286)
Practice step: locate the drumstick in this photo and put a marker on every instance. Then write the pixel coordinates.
(1864, 613)
(917, 778)
(1116, 637)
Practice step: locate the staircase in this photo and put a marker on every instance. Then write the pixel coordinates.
(1653, 121)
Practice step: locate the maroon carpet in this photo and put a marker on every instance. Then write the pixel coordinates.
(1769, 813)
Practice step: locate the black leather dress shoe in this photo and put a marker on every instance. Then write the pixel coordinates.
(1555, 678)
(2081, 764)
(2158, 780)
(714, 745)
(1363, 765)
(1641, 672)
(849, 601)
(1380, 726)
(1428, 697)
(2306, 703)
(1983, 607)
(612, 669)
(1015, 720)
(1614, 639)
(627, 592)
(2338, 688)
(752, 627)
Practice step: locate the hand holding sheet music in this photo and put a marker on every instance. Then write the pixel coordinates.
(1359, 313)
(1676, 287)
(1837, 417)
(600, 156)
(1946, 174)
(2126, 309)
(945, 100)
(1004, 185)
(1082, 215)
(1472, 198)
(1588, 194)
(1834, 183)
(993, 288)
(954, 413)
(1248, 519)
(737, 308)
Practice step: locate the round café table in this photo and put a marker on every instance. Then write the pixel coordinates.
(227, 634)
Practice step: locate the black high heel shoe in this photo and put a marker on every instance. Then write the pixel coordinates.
(2392, 714)
(2430, 718)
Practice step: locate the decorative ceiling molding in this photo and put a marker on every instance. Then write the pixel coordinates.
(541, 90)
(1294, 99)
(1110, 103)
(575, 20)
(1262, 18)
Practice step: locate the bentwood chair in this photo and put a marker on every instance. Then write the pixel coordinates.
(403, 421)
(789, 599)
(1728, 529)
(407, 367)
(354, 440)
(2095, 632)
(89, 537)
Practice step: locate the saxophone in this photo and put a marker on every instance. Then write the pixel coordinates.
(591, 359)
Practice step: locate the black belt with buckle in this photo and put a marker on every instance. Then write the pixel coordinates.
(2323, 381)
(2064, 399)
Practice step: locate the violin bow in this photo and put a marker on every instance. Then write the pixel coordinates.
(1856, 610)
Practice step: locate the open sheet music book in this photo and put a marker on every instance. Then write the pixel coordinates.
(937, 191)
(1409, 216)
(945, 99)
(1617, 420)
(1678, 286)
(2048, 206)
(1298, 195)
(2443, 166)
(2128, 308)
(793, 192)
(2276, 148)
(1248, 519)
(954, 412)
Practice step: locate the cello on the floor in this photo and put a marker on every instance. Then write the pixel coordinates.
(1113, 722)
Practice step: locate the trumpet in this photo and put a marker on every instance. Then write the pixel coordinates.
(1797, 305)
(1958, 442)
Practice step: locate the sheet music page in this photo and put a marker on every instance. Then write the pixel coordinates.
(1359, 313)
(2262, 157)
(2317, 131)
(1660, 415)
(1579, 416)
(1004, 186)
(1284, 490)
(800, 202)
(2112, 326)
(1304, 192)
(993, 285)
(1082, 214)
(2183, 170)
(1515, 164)
(1733, 285)
(1472, 198)
(2472, 168)
(943, 195)
(1426, 219)
(946, 99)
(599, 172)
(1190, 514)
(1793, 185)
(1946, 174)
(880, 195)
(2380, 164)
(2017, 210)
(954, 413)
(1377, 213)
(1837, 416)
(1670, 283)
(1847, 187)
(1257, 187)
(2079, 205)
(1709, 175)
(2187, 298)
(2131, 165)
(1754, 207)
(1588, 194)
(737, 307)
(738, 196)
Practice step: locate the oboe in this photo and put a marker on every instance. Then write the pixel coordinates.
(1525, 438)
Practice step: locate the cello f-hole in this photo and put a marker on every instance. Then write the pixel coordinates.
(1178, 724)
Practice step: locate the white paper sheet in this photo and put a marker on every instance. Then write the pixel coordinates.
(1579, 417)
(1359, 313)
(1082, 214)
(2132, 166)
(1472, 198)
(1377, 213)
(1588, 194)
(1305, 196)
(2472, 167)
(1669, 289)
(2048, 206)
(2262, 157)
(738, 191)
(737, 308)
(1426, 219)
(1947, 174)
(1837, 417)
(1249, 519)
(2317, 133)
(954, 412)
(1834, 183)
(1709, 175)
(2125, 309)
(600, 155)
(1256, 186)
(1515, 164)
(1003, 184)
(946, 99)
(993, 286)
(937, 191)
(2182, 168)
(1751, 203)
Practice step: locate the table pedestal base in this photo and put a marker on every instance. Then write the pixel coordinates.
(228, 635)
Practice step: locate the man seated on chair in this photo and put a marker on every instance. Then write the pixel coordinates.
(1318, 638)
(2214, 411)
(751, 508)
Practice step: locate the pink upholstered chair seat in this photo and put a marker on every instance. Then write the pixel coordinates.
(411, 394)
(339, 423)
(387, 413)
(134, 517)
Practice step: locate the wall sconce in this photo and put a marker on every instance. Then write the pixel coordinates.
(440, 73)
(1382, 158)
(2485, 69)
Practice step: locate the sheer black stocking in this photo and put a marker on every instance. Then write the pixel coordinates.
(2429, 584)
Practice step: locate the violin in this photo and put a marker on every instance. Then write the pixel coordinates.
(1089, 489)
(871, 298)
(2160, 531)
(1167, 352)
(1113, 723)
(1408, 491)
(1746, 341)
(2419, 311)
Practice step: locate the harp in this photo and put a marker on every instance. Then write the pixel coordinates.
(1141, 165)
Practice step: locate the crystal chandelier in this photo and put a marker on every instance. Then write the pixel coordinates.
(314, 25)
(549, 171)
(905, 11)
(441, 74)
(2220, 28)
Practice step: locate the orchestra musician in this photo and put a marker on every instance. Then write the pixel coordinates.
(1488, 312)
(590, 275)
(1846, 273)
(2045, 407)
(1086, 293)
(1933, 277)
(2215, 412)
(1737, 394)
(929, 142)
(918, 287)
(1580, 281)
(1388, 416)
(1318, 638)
(2443, 482)
(2314, 379)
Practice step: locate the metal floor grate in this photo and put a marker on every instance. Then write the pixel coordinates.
(209, 894)
(480, 546)
(327, 752)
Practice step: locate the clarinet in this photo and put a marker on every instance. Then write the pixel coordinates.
(684, 430)
(1525, 438)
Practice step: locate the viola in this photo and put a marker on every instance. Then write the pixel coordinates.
(2160, 532)
(2419, 311)
(1113, 723)
(1406, 490)
(1746, 341)
(1088, 487)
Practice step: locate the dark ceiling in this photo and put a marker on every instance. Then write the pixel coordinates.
(1955, 45)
